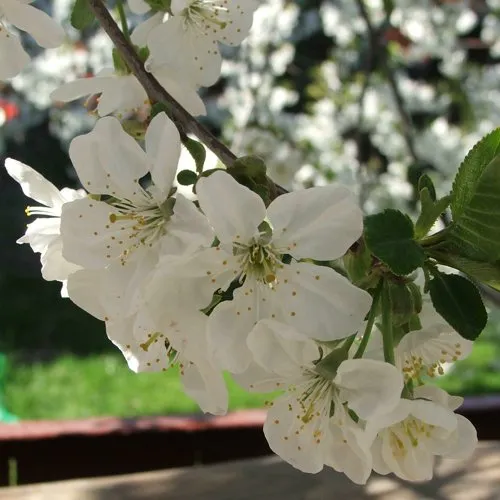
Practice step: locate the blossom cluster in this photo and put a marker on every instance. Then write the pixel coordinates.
(230, 281)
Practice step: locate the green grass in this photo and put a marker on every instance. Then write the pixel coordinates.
(72, 387)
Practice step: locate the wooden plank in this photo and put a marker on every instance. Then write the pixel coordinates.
(476, 479)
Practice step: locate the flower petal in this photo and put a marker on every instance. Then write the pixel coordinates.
(279, 349)
(229, 326)
(292, 439)
(206, 386)
(319, 302)
(348, 451)
(370, 387)
(109, 161)
(141, 32)
(201, 61)
(46, 32)
(233, 210)
(318, 223)
(82, 287)
(82, 87)
(163, 147)
(33, 184)
(13, 58)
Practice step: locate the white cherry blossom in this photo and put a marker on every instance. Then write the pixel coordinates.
(44, 234)
(181, 341)
(318, 223)
(425, 351)
(125, 234)
(409, 438)
(123, 93)
(309, 425)
(188, 41)
(45, 31)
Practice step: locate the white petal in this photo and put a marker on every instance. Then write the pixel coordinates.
(33, 184)
(200, 64)
(54, 265)
(41, 232)
(108, 160)
(184, 93)
(461, 445)
(46, 32)
(163, 147)
(13, 58)
(138, 7)
(206, 386)
(83, 287)
(318, 223)
(188, 229)
(277, 348)
(290, 438)
(82, 87)
(141, 32)
(256, 379)
(192, 278)
(370, 387)
(89, 238)
(319, 302)
(241, 17)
(348, 451)
(234, 211)
(126, 95)
(229, 326)
(438, 395)
(434, 414)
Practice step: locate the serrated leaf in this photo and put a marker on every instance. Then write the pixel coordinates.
(458, 301)
(389, 236)
(471, 170)
(487, 273)
(197, 152)
(81, 15)
(187, 177)
(475, 232)
(430, 211)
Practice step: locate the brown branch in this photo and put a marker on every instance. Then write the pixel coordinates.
(183, 120)
(186, 123)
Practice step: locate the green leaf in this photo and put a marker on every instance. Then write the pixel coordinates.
(389, 236)
(431, 210)
(81, 15)
(187, 177)
(471, 170)
(487, 273)
(475, 233)
(426, 182)
(458, 301)
(197, 151)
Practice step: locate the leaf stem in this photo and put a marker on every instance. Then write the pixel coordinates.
(387, 335)
(371, 321)
(123, 20)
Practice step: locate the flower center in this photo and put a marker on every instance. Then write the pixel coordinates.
(258, 259)
(205, 15)
(408, 434)
(144, 224)
(436, 353)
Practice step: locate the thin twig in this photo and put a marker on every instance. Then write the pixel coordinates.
(183, 120)
(374, 43)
